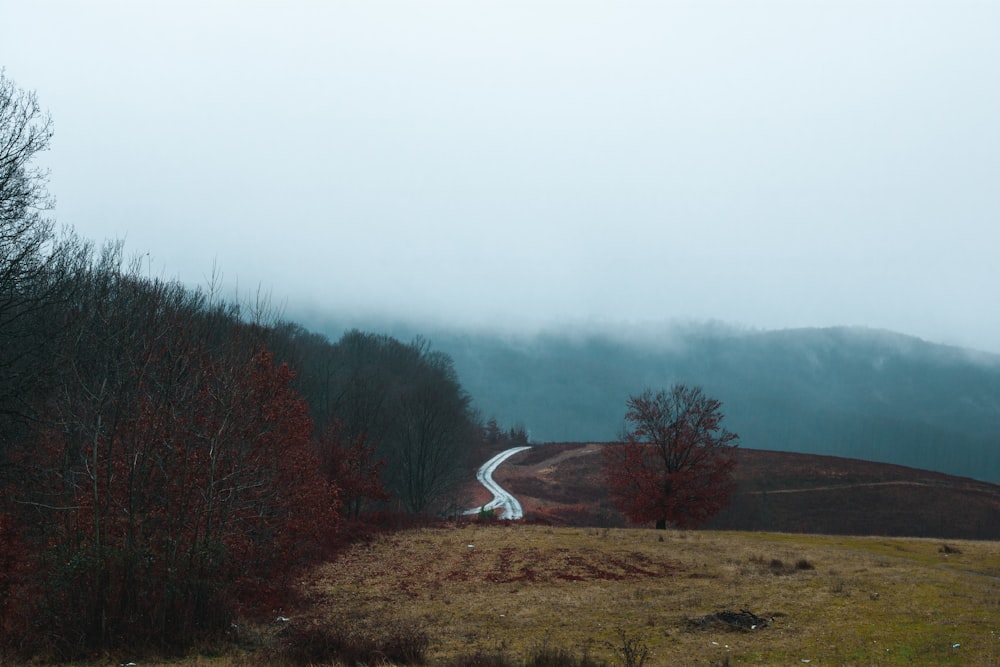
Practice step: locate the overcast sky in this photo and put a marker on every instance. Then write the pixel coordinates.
(525, 164)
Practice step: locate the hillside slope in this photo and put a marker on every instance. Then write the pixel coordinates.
(777, 491)
(848, 392)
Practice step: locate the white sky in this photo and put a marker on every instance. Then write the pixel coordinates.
(524, 164)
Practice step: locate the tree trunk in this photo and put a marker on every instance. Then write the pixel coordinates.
(661, 524)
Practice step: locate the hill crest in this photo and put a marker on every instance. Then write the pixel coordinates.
(776, 491)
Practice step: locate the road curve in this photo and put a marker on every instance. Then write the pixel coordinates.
(505, 504)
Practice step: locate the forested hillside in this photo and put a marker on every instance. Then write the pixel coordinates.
(169, 459)
(850, 392)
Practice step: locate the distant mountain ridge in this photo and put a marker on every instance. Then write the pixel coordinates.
(842, 391)
(853, 392)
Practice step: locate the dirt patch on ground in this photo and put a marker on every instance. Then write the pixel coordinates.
(545, 456)
(743, 620)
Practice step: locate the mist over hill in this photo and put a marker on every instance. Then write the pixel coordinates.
(844, 391)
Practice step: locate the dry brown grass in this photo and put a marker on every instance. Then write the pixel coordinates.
(866, 601)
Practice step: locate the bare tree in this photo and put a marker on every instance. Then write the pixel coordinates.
(402, 400)
(25, 232)
(434, 430)
(25, 131)
(36, 266)
(676, 463)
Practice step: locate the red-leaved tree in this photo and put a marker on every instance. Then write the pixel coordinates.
(349, 465)
(675, 466)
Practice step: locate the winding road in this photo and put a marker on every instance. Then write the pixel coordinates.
(506, 505)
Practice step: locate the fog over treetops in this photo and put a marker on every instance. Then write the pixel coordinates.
(844, 391)
(532, 164)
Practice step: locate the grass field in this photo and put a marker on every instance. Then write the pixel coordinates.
(835, 600)
(513, 589)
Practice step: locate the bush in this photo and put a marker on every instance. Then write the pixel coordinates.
(353, 644)
(545, 656)
(632, 651)
(778, 567)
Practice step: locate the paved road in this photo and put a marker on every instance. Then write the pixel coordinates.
(506, 505)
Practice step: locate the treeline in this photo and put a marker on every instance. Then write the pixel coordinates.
(169, 459)
(401, 401)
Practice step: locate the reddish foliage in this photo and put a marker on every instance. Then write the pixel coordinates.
(202, 501)
(790, 492)
(348, 465)
(676, 465)
(17, 591)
